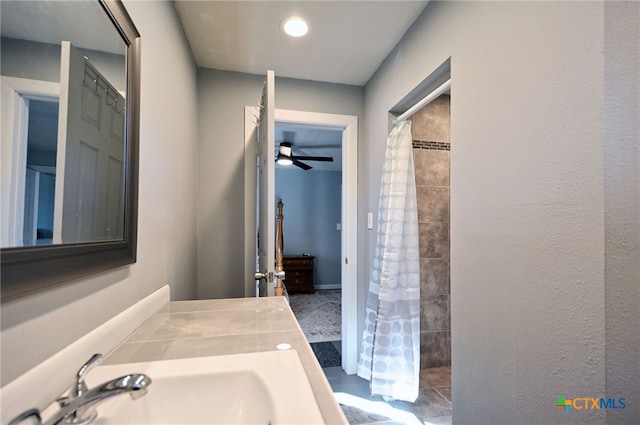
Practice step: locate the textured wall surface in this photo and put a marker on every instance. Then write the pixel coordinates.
(527, 208)
(622, 207)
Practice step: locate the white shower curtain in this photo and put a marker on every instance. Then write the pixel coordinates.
(390, 356)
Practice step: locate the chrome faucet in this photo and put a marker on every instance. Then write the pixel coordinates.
(79, 407)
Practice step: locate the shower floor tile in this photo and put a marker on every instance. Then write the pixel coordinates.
(444, 392)
(435, 377)
(432, 407)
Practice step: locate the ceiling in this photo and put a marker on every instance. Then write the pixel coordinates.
(83, 23)
(347, 41)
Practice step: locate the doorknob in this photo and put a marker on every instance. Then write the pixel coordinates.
(269, 275)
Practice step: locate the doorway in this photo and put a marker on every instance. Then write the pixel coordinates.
(308, 180)
(20, 99)
(42, 146)
(348, 125)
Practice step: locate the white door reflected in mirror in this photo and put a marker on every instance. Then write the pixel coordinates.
(63, 124)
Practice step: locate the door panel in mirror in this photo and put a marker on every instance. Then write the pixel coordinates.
(90, 154)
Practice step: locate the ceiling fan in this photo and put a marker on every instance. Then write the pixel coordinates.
(286, 157)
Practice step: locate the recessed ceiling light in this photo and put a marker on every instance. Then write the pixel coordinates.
(295, 26)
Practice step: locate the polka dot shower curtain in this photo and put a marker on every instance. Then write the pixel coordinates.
(390, 356)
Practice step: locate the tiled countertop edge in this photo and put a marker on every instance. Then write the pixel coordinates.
(44, 383)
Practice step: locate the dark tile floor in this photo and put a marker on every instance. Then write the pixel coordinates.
(433, 406)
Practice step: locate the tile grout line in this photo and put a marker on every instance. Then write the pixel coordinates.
(441, 395)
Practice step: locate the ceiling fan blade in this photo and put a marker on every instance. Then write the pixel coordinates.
(301, 164)
(329, 146)
(315, 158)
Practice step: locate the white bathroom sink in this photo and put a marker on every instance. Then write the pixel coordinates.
(253, 388)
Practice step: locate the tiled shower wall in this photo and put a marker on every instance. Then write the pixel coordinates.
(431, 146)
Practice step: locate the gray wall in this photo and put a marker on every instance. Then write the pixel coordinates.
(221, 101)
(622, 205)
(533, 288)
(37, 326)
(29, 59)
(312, 208)
(41, 61)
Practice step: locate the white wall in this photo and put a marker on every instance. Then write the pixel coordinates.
(222, 98)
(37, 326)
(312, 208)
(527, 201)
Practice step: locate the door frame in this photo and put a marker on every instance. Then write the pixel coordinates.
(16, 93)
(349, 238)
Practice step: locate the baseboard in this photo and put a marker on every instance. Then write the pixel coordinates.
(327, 286)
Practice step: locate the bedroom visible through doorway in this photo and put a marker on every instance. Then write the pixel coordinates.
(346, 158)
(348, 126)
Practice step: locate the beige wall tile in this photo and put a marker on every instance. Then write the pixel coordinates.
(434, 276)
(434, 240)
(431, 167)
(435, 349)
(434, 314)
(432, 122)
(433, 204)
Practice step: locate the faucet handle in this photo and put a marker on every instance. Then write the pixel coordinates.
(79, 386)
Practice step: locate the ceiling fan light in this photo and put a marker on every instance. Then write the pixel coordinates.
(284, 160)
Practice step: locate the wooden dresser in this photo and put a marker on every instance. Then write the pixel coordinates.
(298, 273)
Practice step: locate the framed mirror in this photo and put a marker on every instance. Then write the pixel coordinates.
(70, 128)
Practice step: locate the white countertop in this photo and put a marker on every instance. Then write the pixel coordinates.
(184, 329)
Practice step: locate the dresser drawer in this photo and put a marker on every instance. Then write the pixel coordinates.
(300, 279)
(298, 274)
(298, 263)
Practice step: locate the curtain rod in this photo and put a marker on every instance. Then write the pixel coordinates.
(424, 102)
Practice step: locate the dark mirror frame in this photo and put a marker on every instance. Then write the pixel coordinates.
(30, 269)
